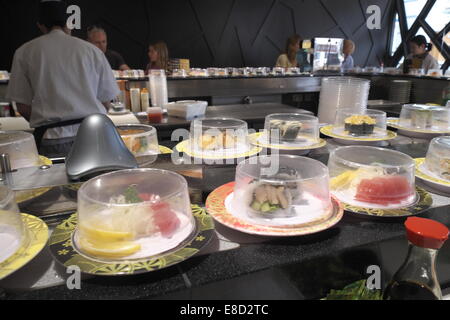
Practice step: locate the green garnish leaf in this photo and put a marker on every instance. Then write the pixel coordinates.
(132, 195)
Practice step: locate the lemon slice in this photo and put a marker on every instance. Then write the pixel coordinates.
(104, 235)
(343, 181)
(109, 250)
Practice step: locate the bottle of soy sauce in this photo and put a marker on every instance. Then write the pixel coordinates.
(417, 278)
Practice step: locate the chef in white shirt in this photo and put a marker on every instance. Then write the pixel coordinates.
(58, 80)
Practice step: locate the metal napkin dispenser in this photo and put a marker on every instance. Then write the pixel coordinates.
(98, 148)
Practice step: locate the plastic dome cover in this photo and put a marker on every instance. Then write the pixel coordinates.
(438, 158)
(371, 123)
(292, 130)
(372, 177)
(21, 148)
(217, 136)
(282, 191)
(12, 232)
(424, 117)
(133, 214)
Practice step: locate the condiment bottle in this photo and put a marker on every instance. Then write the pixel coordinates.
(145, 100)
(417, 278)
(135, 94)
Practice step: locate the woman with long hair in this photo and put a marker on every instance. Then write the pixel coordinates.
(289, 58)
(159, 56)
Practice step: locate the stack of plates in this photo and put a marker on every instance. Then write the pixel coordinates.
(342, 93)
(400, 91)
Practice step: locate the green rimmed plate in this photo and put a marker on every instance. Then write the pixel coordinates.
(328, 131)
(424, 203)
(429, 179)
(62, 249)
(34, 243)
(255, 140)
(24, 196)
(185, 147)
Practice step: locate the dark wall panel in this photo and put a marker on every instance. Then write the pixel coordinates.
(209, 32)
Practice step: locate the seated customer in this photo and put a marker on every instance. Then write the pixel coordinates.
(349, 50)
(159, 57)
(98, 37)
(289, 59)
(420, 57)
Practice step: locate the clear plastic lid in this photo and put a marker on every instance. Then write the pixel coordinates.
(278, 71)
(12, 232)
(438, 158)
(219, 135)
(133, 214)
(424, 117)
(371, 123)
(292, 129)
(179, 73)
(21, 148)
(141, 140)
(283, 191)
(293, 71)
(372, 177)
(195, 72)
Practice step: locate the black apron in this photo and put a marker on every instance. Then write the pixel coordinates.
(40, 132)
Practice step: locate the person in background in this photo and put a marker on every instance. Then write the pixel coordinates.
(98, 37)
(289, 59)
(349, 50)
(55, 93)
(158, 54)
(420, 57)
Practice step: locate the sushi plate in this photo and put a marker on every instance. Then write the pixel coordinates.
(424, 202)
(351, 140)
(415, 133)
(185, 147)
(65, 253)
(24, 196)
(35, 241)
(257, 139)
(216, 206)
(429, 178)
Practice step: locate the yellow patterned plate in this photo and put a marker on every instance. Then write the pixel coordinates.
(328, 131)
(24, 196)
(35, 241)
(415, 133)
(434, 182)
(185, 147)
(61, 247)
(424, 203)
(255, 140)
(215, 206)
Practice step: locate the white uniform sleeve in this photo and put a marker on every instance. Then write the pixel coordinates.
(107, 88)
(19, 88)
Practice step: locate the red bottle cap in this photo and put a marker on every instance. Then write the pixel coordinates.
(426, 233)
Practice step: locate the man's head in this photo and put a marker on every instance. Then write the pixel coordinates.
(52, 14)
(97, 36)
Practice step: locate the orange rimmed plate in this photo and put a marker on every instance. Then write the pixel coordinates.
(216, 207)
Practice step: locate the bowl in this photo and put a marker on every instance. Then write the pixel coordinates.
(133, 214)
(282, 191)
(372, 177)
(292, 129)
(141, 140)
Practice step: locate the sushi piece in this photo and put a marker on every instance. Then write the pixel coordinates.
(360, 125)
(268, 199)
(288, 130)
